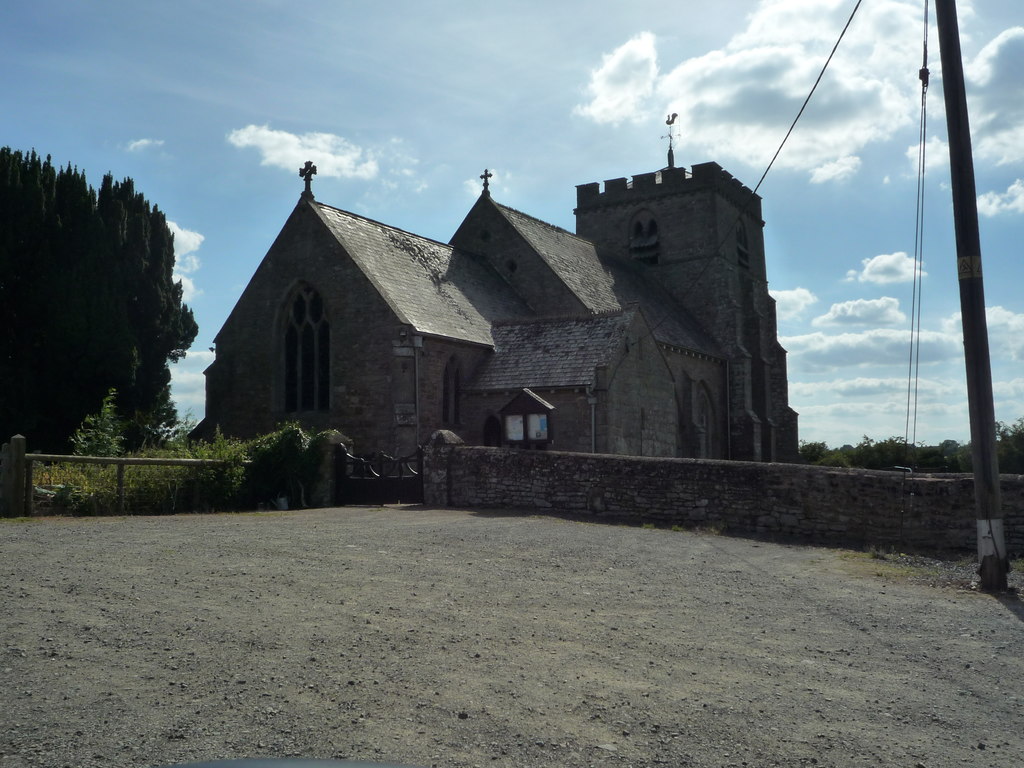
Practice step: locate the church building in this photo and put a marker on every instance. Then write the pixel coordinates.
(649, 331)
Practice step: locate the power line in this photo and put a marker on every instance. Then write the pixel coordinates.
(914, 362)
(778, 151)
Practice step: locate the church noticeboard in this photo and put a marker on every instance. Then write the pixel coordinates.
(527, 421)
(514, 427)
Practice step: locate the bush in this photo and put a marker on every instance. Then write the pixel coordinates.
(283, 463)
(102, 433)
(221, 487)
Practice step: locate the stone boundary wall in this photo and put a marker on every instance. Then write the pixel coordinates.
(828, 505)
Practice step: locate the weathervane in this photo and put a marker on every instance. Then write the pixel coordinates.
(670, 122)
(487, 176)
(307, 172)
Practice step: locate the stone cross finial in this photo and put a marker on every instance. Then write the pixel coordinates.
(307, 172)
(487, 176)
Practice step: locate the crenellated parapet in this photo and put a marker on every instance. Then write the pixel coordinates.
(702, 177)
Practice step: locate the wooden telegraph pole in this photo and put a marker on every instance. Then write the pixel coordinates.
(992, 556)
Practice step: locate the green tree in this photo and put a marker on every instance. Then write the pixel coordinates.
(102, 433)
(813, 451)
(87, 303)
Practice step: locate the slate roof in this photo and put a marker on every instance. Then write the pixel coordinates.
(559, 352)
(435, 288)
(446, 292)
(606, 287)
(670, 323)
(572, 258)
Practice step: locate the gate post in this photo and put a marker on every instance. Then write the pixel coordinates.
(14, 478)
(436, 475)
(340, 473)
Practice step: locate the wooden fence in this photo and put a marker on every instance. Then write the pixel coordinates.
(16, 473)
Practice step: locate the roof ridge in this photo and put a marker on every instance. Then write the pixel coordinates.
(548, 224)
(390, 227)
(547, 319)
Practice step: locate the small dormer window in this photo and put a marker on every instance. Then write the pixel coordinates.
(643, 237)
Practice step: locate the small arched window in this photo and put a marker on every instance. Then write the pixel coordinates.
(451, 392)
(307, 354)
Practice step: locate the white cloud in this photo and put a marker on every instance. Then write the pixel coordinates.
(994, 203)
(186, 243)
(864, 387)
(188, 384)
(997, 98)
(876, 346)
(837, 170)
(936, 156)
(140, 145)
(737, 103)
(623, 82)
(1014, 388)
(1005, 330)
(885, 268)
(883, 311)
(333, 155)
(790, 304)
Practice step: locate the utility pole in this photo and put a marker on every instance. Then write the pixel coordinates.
(992, 556)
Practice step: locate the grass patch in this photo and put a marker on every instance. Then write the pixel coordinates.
(881, 565)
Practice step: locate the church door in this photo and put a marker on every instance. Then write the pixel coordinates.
(492, 432)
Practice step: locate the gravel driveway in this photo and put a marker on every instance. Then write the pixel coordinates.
(452, 638)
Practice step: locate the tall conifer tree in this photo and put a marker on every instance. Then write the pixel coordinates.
(87, 303)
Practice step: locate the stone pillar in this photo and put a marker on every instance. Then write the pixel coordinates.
(325, 490)
(13, 497)
(437, 457)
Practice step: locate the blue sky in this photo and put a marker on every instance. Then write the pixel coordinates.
(212, 107)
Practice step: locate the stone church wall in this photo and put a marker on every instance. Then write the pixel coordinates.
(642, 413)
(486, 233)
(842, 506)
(245, 395)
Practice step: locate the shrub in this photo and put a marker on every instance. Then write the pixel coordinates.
(102, 433)
(285, 462)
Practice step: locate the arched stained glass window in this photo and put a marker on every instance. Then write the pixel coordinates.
(307, 354)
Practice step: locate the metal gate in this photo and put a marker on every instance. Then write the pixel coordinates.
(377, 479)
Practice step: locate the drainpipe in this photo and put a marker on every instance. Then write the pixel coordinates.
(592, 402)
(417, 346)
(728, 410)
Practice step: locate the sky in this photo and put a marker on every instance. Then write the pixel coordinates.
(212, 108)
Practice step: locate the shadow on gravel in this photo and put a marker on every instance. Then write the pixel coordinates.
(1011, 601)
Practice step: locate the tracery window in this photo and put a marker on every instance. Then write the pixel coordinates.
(307, 354)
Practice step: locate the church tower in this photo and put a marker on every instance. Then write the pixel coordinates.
(699, 234)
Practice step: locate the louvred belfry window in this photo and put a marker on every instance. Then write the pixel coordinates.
(307, 344)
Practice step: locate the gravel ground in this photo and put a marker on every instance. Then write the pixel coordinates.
(451, 638)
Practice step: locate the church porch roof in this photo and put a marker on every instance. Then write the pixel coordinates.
(551, 352)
